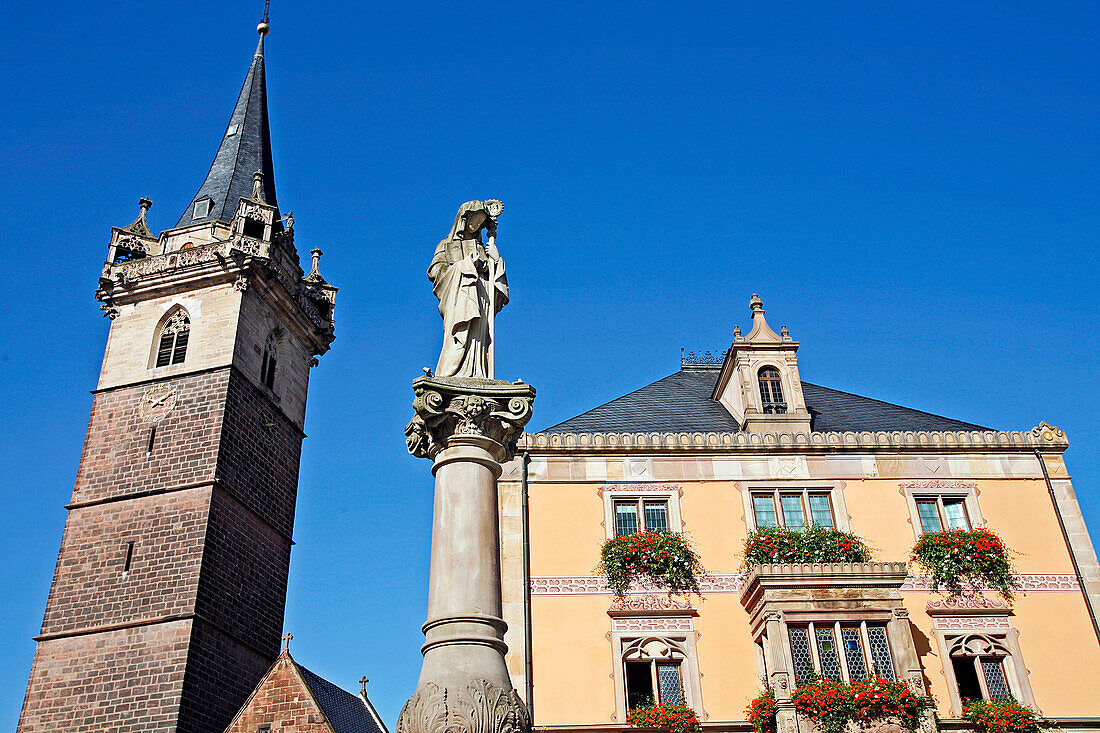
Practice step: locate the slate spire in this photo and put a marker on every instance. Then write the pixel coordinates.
(245, 149)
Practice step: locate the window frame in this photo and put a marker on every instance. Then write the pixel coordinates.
(615, 494)
(1005, 645)
(833, 491)
(834, 627)
(679, 647)
(640, 518)
(769, 406)
(159, 333)
(920, 491)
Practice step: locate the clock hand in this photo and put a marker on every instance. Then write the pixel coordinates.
(162, 399)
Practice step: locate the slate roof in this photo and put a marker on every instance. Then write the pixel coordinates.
(681, 403)
(241, 154)
(345, 712)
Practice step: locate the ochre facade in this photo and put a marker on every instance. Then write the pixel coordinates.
(570, 639)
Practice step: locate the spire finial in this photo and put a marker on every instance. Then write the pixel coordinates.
(756, 303)
(263, 28)
(363, 685)
(286, 642)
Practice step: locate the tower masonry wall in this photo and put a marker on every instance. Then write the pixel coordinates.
(129, 356)
(126, 681)
(117, 460)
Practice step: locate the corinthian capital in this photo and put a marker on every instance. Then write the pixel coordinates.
(478, 707)
(453, 407)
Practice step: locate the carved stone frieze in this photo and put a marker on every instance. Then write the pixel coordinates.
(451, 407)
(632, 604)
(479, 707)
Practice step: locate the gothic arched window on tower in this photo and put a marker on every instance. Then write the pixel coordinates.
(267, 368)
(771, 391)
(172, 348)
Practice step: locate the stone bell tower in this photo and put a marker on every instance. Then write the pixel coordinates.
(167, 601)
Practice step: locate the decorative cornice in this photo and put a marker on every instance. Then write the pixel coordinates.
(641, 489)
(651, 605)
(1043, 436)
(590, 585)
(968, 604)
(938, 484)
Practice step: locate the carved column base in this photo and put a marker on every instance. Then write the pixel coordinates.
(479, 707)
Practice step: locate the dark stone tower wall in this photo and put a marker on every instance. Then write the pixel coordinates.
(178, 641)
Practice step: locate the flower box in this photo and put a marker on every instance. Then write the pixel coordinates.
(664, 558)
(966, 560)
(813, 544)
(1003, 716)
(671, 718)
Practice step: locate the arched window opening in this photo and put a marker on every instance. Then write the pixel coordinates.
(267, 367)
(653, 673)
(978, 662)
(173, 339)
(771, 391)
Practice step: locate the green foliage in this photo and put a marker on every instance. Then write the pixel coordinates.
(1003, 716)
(834, 704)
(975, 558)
(672, 718)
(811, 544)
(761, 711)
(664, 558)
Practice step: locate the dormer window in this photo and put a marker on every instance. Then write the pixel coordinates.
(201, 210)
(172, 348)
(253, 228)
(771, 391)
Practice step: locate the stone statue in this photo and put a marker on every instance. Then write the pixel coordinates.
(468, 278)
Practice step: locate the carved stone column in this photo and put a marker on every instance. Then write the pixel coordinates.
(468, 428)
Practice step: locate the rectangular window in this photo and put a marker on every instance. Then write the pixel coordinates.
(656, 516)
(821, 509)
(639, 685)
(840, 651)
(938, 513)
(994, 672)
(626, 518)
(764, 509)
(670, 687)
(792, 509)
(633, 515)
(793, 514)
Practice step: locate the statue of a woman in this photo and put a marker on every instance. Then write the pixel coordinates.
(468, 278)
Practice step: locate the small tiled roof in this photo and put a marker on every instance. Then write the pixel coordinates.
(681, 403)
(345, 712)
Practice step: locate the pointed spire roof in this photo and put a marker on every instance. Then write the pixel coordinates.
(245, 149)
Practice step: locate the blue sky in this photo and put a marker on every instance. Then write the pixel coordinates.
(911, 187)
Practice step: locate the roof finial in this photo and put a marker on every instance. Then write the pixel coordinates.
(363, 685)
(263, 28)
(761, 331)
(286, 642)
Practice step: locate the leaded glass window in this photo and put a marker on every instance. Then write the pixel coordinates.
(995, 681)
(864, 645)
(955, 512)
(853, 652)
(801, 654)
(669, 685)
(633, 515)
(827, 654)
(880, 651)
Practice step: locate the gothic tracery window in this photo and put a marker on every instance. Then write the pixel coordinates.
(771, 391)
(653, 672)
(979, 664)
(267, 367)
(172, 348)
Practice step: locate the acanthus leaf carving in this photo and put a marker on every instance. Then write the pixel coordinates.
(446, 408)
(479, 707)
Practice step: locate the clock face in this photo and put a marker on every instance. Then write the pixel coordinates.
(157, 403)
